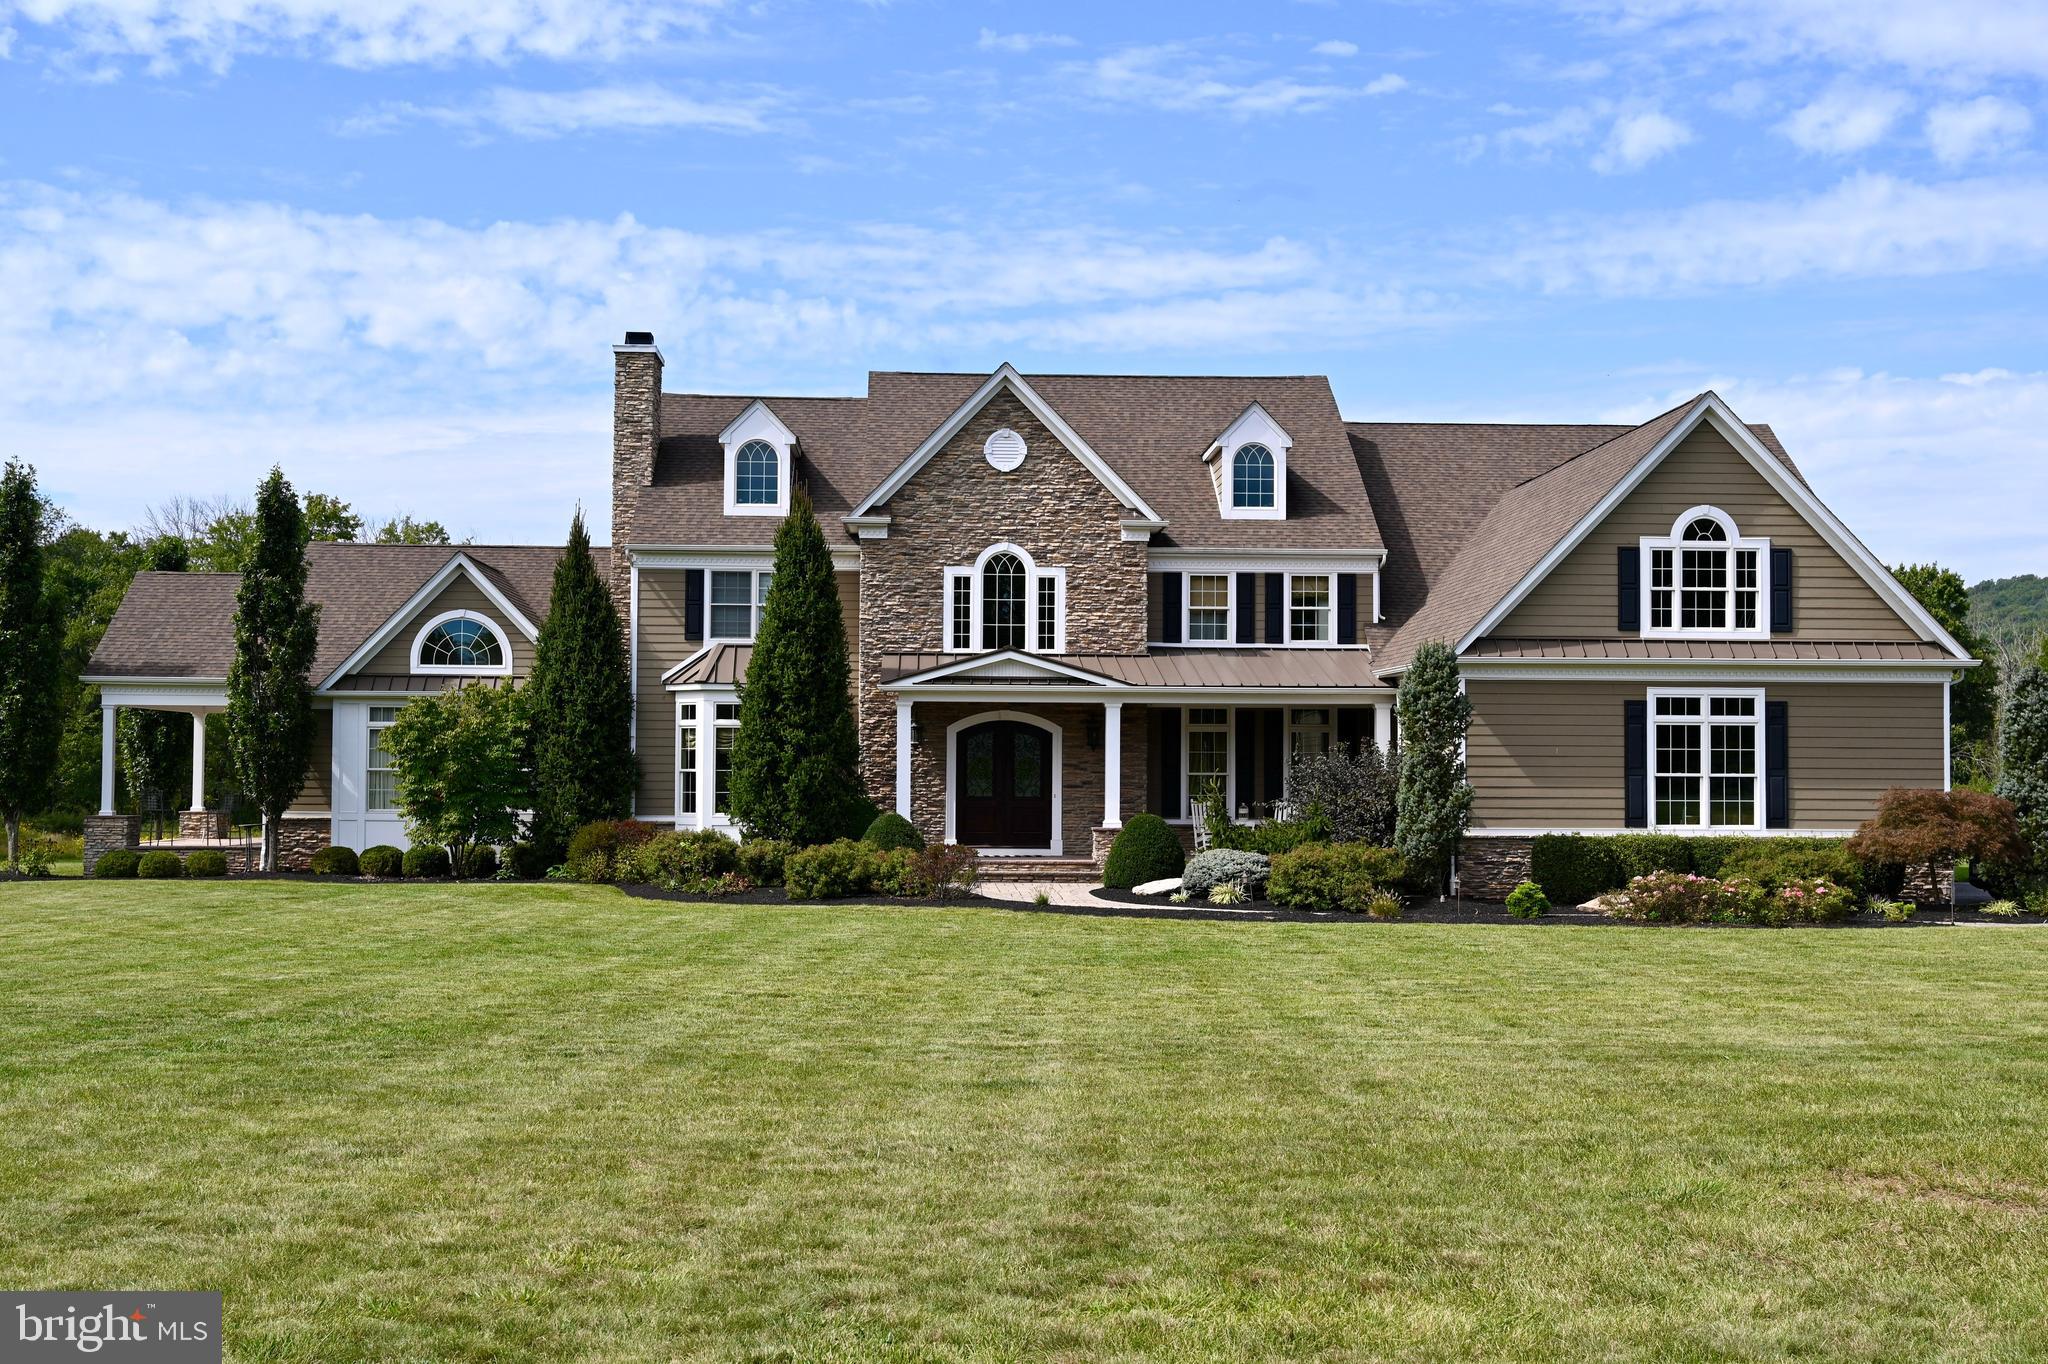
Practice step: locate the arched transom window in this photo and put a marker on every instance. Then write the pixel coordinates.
(1005, 601)
(1705, 578)
(1251, 477)
(757, 475)
(460, 642)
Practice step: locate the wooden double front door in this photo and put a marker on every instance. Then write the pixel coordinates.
(1003, 777)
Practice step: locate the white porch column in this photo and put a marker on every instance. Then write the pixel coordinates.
(1383, 724)
(198, 760)
(107, 714)
(903, 756)
(1113, 764)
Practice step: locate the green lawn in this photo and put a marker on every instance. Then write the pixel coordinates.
(553, 1123)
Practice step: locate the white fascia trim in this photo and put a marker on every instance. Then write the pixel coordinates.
(1039, 662)
(503, 668)
(1020, 693)
(1711, 408)
(1006, 376)
(386, 632)
(1659, 670)
(1681, 831)
(868, 527)
(845, 560)
(178, 694)
(1172, 559)
(138, 680)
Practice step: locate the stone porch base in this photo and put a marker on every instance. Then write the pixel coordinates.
(204, 825)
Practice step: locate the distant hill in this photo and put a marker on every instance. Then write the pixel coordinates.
(2010, 608)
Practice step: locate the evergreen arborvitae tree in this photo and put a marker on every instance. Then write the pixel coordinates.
(794, 759)
(29, 654)
(579, 704)
(270, 687)
(1434, 801)
(2023, 757)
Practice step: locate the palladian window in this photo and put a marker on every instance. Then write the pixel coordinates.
(1005, 601)
(757, 475)
(460, 643)
(1704, 579)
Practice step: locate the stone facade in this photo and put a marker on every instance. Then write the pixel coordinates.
(203, 825)
(104, 833)
(951, 510)
(1488, 868)
(298, 840)
(636, 433)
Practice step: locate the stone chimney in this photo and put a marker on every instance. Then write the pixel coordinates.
(636, 431)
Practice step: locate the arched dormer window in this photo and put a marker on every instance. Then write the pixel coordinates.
(1005, 601)
(1251, 477)
(1705, 579)
(757, 475)
(461, 643)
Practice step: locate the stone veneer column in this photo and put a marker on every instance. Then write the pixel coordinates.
(636, 434)
(104, 833)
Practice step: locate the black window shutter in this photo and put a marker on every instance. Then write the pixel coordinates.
(1781, 591)
(1247, 608)
(1168, 748)
(1777, 769)
(1169, 607)
(1635, 761)
(1276, 608)
(1347, 608)
(693, 603)
(1247, 752)
(1628, 588)
(1276, 754)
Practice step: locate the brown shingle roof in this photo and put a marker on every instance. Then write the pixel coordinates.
(1153, 430)
(182, 624)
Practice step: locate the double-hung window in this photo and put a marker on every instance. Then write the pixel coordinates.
(1310, 608)
(1208, 598)
(1005, 601)
(1706, 754)
(726, 727)
(686, 759)
(1704, 578)
(1208, 756)
(737, 596)
(380, 778)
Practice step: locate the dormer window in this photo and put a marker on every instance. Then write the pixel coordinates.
(1248, 464)
(460, 643)
(758, 453)
(1705, 580)
(1005, 601)
(1251, 477)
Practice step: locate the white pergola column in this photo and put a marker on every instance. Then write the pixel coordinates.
(1112, 764)
(107, 719)
(1383, 724)
(903, 756)
(198, 760)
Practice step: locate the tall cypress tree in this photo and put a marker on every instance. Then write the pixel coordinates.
(794, 758)
(579, 703)
(270, 687)
(29, 642)
(1433, 803)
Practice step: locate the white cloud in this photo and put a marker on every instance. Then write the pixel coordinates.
(1961, 37)
(1637, 139)
(1846, 118)
(365, 33)
(554, 113)
(1985, 126)
(992, 41)
(1867, 226)
(1175, 78)
(1335, 47)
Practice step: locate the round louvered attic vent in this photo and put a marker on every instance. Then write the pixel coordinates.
(1004, 450)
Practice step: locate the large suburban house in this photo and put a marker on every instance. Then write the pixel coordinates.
(1070, 598)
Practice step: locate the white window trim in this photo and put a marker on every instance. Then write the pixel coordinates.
(503, 668)
(1253, 426)
(754, 603)
(757, 422)
(1187, 610)
(689, 819)
(1676, 545)
(1287, 605)
(1705, 695)
(1231, 510)
(1229, 731)
(371, 725)
(1033, 575)
(707, 726)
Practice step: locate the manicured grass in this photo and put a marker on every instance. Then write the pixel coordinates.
(548, 1122)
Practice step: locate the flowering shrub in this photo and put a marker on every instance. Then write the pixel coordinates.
(1815, 900)
(1672, 897)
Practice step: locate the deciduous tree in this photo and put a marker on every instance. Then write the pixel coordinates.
(460, 762)
(29, 656)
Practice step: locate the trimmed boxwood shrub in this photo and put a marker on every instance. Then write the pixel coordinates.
(1146, 849)
(761, 860)
(1527, 901)
(675, 857)
(381, 860)
(336, 861)
(1708, 853)
(1643, 854)
(426, 861)
(830, 870)
(160, 865)
(116, 864)
(597, 851)
(483, 862)
(892, 830)
(1776, 862)
(1573, 868)
(1214, 867)
(208, 862)
(1337, 876)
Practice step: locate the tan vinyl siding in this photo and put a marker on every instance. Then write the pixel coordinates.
(1830, 600)
(849, 610)
(317, 793)
(662, 644)
(1848, 741)
(1549, 754)
(461, 594)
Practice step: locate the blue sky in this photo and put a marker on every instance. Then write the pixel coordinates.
(388, 245)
